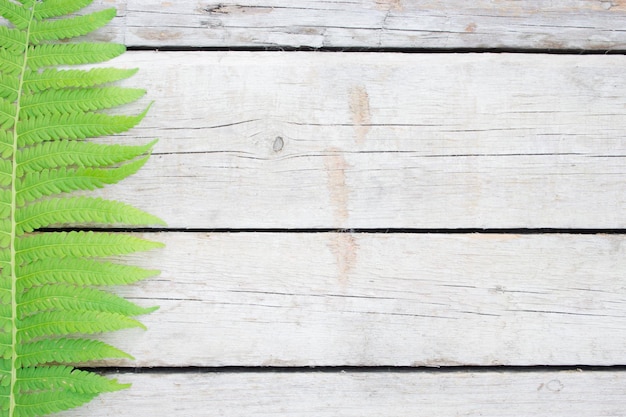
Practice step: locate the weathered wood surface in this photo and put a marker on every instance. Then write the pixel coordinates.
(510, 24)
(324, 140)
(252, 140)
(362, 394)
(333, 299)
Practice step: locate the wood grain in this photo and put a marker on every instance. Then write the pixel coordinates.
(317, 140)
(479, 24)
(361, 394)
(377, 141)
(338, 299)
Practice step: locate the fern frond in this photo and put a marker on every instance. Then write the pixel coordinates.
(63, 378)
(77, 100)
(55, 8)
(73, 126)
(10, 63)
(69, 153)
(36, 404)
(80, 210)
(47, 279)
(47, 55)
(7, 112)
(7, 137)
(79, 245)
(64, 350)
(6, 176)
(5, 234)
(63, 297)
(5, 203)
(9, 88)
(78, 271)
(18, 16)
(62, 323)
(47, 30)
(35, 185)
(35, 81)
(13, 40)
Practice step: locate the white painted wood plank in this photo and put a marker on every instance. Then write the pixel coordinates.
(316, 140)
(480, 24)
(360, 394)
(544, 24)
(299, 299)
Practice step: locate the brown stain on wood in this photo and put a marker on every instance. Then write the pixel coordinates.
(471, 28)
(158, 35)
(360, 109)
(335, 165)
(389, 5)
(107, 36)
(345, 248)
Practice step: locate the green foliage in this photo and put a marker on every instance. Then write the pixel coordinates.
(50, 295)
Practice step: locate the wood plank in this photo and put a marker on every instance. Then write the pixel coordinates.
(589, 25)
(301, 299)
(359, 394)
(528, 24)
(313, 140)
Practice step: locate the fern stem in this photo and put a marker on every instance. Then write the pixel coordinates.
(12, 403)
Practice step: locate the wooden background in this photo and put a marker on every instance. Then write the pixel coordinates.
(378, 208)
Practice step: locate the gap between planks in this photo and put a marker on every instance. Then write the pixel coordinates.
(542, 231)
(356, 369)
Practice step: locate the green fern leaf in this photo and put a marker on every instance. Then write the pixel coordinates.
(9, 87)
(78, 244)
(10, 63)
(63, 378)
(73, 126)
(62, 297)
(35, 185)
(48, 297)
(6, 174)
(64, 350)
(77, 100)
(18, 16)
(5, 203)
(62, 323)
(55, 8)
(68, 153)
(47, 55)
(6, 149)
(7, 112)
(79, 210)
(47, 30)
(41, 403)
(12, 40)
(78, 271)
(5, 235)
(35, 81)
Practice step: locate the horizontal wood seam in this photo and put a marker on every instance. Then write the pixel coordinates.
(531, 51)
(357, 369)
(461, 231)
